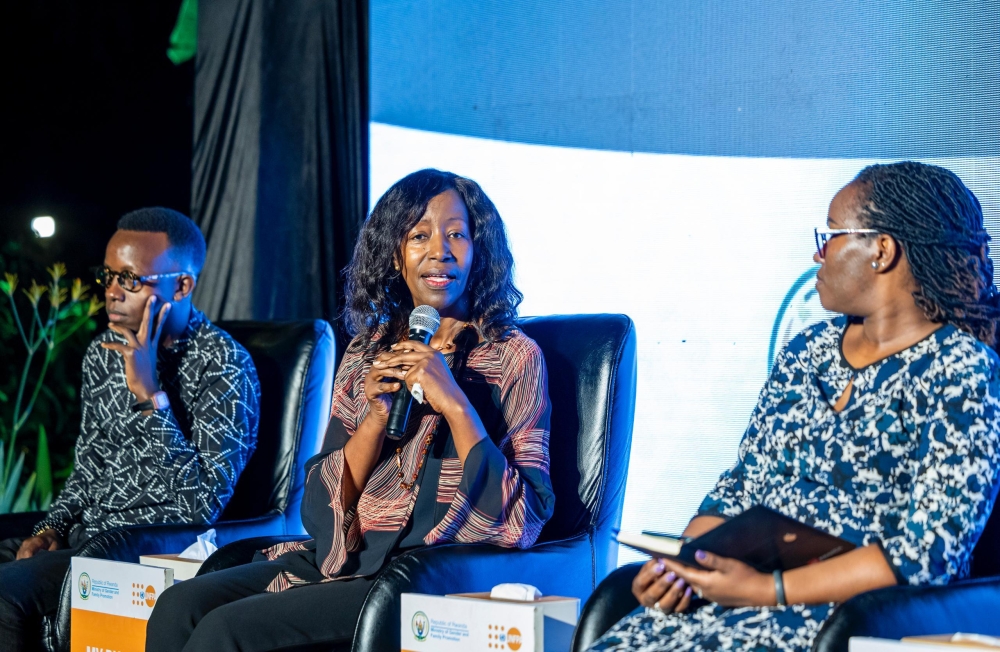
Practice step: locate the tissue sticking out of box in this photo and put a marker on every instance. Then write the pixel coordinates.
(202, 548)
(519, 592)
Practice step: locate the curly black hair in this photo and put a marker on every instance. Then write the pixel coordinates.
(376, 294)
(938, 222)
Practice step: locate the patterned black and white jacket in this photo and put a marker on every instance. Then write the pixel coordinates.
(177, 465)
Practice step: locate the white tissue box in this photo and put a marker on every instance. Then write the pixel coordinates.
(184, 569)
(475, 622)
(914, 644)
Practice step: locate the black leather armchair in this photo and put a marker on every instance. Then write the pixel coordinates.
(294, 362)
(592, 374)
(971, 605)
(19, 525)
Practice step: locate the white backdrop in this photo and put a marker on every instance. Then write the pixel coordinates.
(701, 252)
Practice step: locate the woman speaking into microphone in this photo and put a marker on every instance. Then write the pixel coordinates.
(472, 465)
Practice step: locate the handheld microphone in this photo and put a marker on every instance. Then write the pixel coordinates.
(424, 322)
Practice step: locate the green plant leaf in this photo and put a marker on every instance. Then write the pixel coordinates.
(9, 488)
(23, 502)
(184, 38)
(70, 307)
(43, 464)
(45, 503)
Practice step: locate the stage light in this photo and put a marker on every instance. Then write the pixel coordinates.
(44, 227)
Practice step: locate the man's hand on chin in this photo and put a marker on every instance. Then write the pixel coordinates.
(140, 350)
(45, 540)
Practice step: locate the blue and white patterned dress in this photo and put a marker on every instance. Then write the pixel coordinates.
(910, 463)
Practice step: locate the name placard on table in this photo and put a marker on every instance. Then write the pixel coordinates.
(472, 622)
(936, 643)
(112, 602)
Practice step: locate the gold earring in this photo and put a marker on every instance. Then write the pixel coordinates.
(395, 266)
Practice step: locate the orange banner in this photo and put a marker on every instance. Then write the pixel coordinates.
(92, 631)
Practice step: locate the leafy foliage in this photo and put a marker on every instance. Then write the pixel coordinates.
(54, 322)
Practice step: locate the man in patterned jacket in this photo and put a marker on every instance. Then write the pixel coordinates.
(169, 417)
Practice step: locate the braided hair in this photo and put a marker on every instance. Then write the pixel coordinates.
(938, 222)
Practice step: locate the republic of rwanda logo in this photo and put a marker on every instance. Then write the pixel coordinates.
(421, 626)
(84, 586)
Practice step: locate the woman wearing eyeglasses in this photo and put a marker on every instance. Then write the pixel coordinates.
(880, 426)
(472, 467)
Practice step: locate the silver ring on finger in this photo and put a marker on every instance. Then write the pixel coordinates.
(417, 392)
(656, 607)
(697, 592)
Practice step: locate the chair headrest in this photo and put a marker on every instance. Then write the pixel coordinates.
(591, 361)
(285, 354)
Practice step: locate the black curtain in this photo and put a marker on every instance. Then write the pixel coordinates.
(280, 163)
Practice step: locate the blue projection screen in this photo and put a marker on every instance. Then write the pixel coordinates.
(669, 160)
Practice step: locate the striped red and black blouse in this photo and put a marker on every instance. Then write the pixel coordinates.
(502, 494)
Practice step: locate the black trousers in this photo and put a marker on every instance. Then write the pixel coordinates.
(229, 610)
(29, 590)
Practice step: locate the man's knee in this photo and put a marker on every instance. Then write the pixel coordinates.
(33, 585)
(20, 619)
(16, 594)
(11, 610)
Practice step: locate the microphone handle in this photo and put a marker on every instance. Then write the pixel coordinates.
(402, 400)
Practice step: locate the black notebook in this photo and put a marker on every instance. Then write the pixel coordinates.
(760, 537)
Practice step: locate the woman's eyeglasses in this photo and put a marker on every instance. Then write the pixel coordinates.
(823, 237)
(127, 280)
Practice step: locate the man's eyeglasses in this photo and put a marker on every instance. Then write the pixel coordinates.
(823, 237)
(127, 280)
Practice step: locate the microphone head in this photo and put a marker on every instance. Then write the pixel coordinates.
(425, 318)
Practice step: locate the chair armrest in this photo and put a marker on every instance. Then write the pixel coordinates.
(609, 603)
(19, 525)
(127, 544)
(241, 552)
(556, 568)
(898, 611)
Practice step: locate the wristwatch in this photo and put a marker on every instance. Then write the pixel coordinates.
(157, 401)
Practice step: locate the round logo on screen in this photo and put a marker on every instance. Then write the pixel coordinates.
(150, 596)
(800, 308)
(421, 626)
(84, 585)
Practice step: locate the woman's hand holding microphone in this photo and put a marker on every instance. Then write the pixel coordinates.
(407, 362)
(415, 363)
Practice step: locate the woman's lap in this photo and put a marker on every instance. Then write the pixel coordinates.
(789, 629)
(229, 610)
